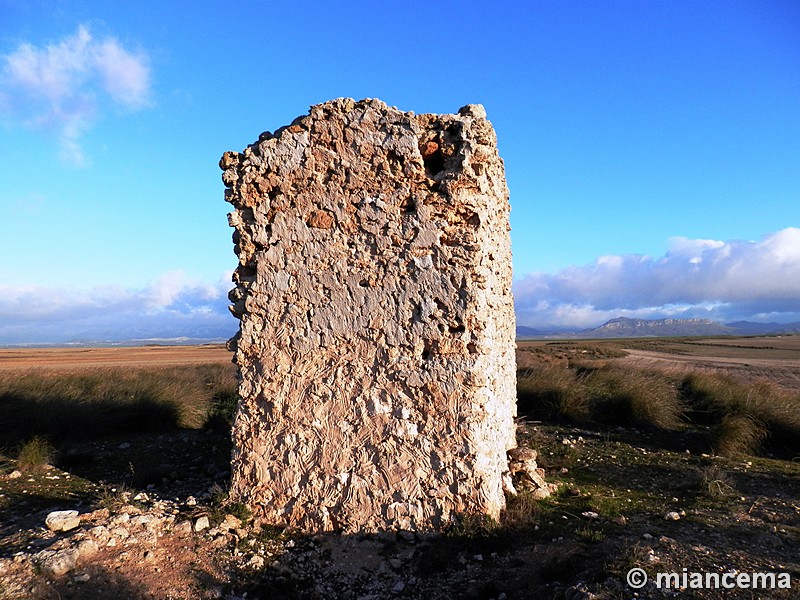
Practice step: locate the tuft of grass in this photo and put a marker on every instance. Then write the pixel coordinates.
(738, 434)
(35, 455)
(637, 397)
(607, 394)
(551, 390)
(471, 526)
(743, 415)
(522, 511)
(590, 534)
(715, 483)
(114, 498)
(631, 556)
(607, 506)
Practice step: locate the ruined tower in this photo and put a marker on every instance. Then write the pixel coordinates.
(376, 345)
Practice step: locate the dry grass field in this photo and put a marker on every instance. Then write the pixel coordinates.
(775, 358)
(137, 441)
(88, 358)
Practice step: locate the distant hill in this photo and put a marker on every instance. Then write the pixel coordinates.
(624, 327)
(530, 332)
(750, 328)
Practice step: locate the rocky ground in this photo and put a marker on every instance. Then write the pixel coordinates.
(152, 521)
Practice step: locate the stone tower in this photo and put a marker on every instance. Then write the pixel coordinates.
(376, 345)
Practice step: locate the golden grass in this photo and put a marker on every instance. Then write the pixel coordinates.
(606, 394)
(100, 402)
(742, 417)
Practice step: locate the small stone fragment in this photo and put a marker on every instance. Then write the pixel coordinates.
(87, 548)
(60, 562)
(62, 520)
(183, 528)
(230, 523)
(201, 523)
(256, 562)
(320, 219)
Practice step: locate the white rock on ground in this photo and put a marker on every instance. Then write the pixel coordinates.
(62, 520)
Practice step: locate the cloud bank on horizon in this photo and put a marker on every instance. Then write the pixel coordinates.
(66, 86)
(724, 281)
(720, 280)
(172, 306)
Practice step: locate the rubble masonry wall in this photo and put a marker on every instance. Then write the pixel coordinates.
(376, 345)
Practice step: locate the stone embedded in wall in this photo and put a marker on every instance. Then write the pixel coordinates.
(376, 345)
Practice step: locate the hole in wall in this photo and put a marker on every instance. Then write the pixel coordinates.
(432, 157)
(434, 163)
(408, 206)
(427, 349)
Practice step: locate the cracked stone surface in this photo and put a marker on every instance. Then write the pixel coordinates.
(376, 344)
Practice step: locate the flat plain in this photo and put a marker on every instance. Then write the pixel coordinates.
(140, 447)
(87, 358)
(775, 358)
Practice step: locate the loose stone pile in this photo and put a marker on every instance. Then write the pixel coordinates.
(376, 346)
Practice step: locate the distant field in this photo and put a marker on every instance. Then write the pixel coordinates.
(140, 356)
(775, 358)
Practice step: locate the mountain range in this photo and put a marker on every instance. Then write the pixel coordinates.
(624, 327)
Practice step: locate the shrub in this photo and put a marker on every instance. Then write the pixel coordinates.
(34, 455)
(715, 483)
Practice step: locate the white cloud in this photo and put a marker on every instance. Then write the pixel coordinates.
(173, 305)
(64, 87)
(695, 278)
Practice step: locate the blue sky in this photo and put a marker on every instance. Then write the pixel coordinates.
(652, 149)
